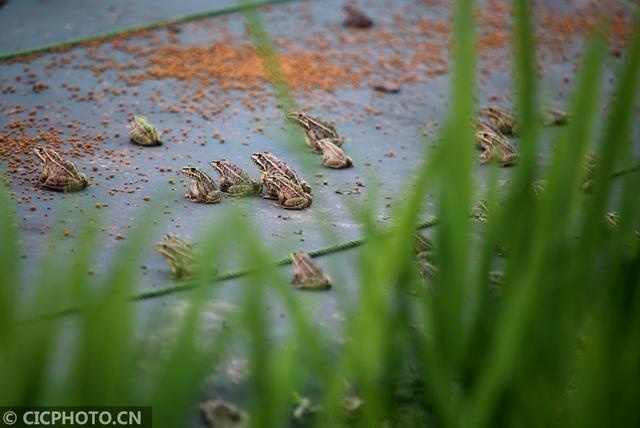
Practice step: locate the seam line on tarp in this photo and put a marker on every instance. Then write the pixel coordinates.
(68, 44)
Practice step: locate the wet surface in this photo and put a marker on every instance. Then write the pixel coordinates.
(81, 101)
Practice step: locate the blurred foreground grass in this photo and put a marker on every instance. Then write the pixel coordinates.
(556, 345)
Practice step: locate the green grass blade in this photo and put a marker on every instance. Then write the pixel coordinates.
(9, 252)
(616, 135)
(526, 269)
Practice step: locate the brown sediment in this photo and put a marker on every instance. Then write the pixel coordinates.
(238, 67)
(212, 74)
(16, 146)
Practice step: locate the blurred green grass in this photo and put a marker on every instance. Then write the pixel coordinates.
(557, 346)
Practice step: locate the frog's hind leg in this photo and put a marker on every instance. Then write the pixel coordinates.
(311, 143)
(298, 203)
(268, 195)
(510, 160)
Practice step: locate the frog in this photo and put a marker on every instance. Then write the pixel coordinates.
(315, 129)
(613, 218)
(551, 116)
(223, 414)
(502, 120)
(306, 274)
(426, 269)
(268, 163)
(179, 254)
(333, 156)
(423, 256)
(289, 193)
(143, 132)
(59, 174)
(495, 146)
(201, 188)
(480, 125)
(480, 211)
(233, 180)
(422, 247)
(304, 407)
(538, 186)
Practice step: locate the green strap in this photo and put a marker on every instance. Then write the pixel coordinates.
(282, 262)
(188, 285)
(244, 5)
(625, 171)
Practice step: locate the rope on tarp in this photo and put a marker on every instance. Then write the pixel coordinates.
(625, 171)
(188, 285)
(282, 262)
(68, 44)
(433, 221)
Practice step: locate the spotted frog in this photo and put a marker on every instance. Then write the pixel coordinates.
(315, 129)
(550, 116)
(333, 156)
(268, 163)
(493, 144)
(504, 121)
(59, 174)
(306, 274)
(143, 132)
(202, 188)
(234, 180)
(289, 193)
(179, 254)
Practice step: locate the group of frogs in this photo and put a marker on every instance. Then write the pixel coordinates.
(491, 134)
(322, 137)
(491, 139)
(277, 181)
(62, 175)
